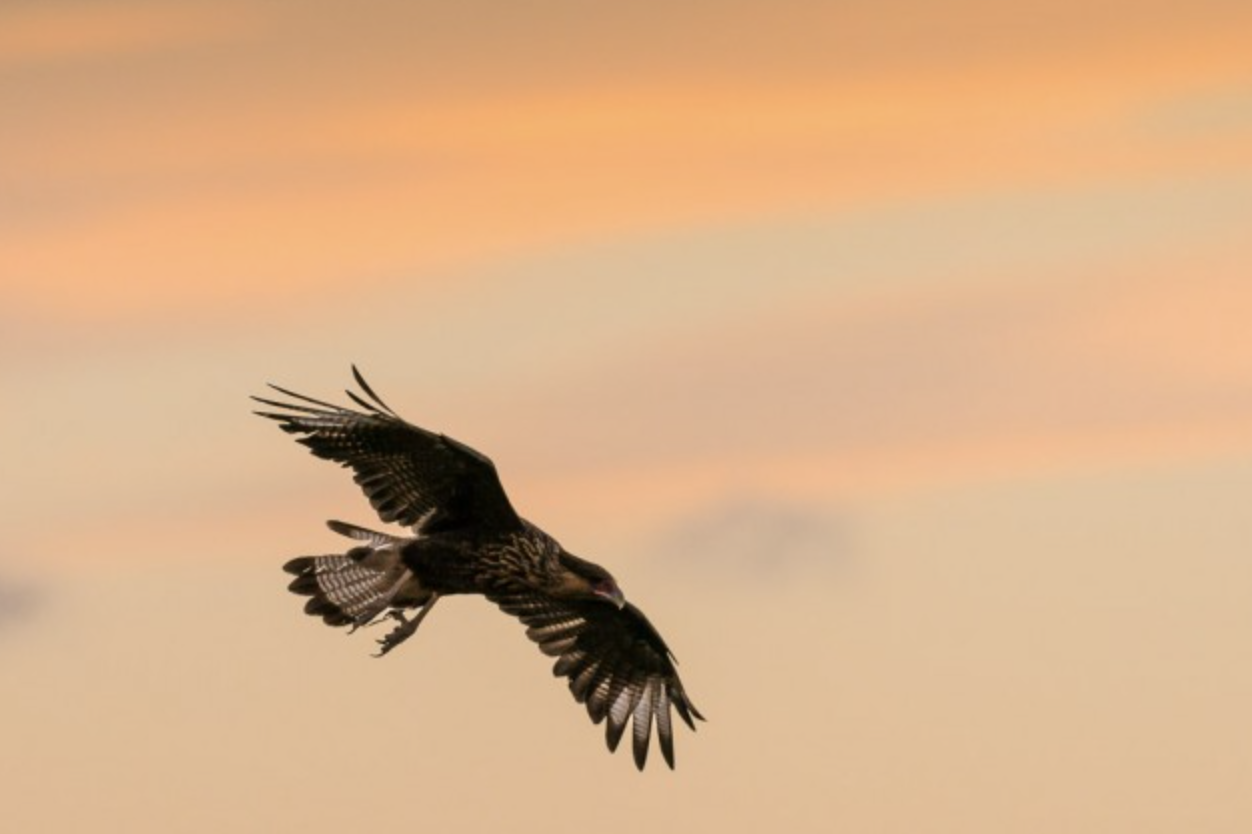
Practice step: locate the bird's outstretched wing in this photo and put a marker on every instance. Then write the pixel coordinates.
(616, 662)
(411, 476)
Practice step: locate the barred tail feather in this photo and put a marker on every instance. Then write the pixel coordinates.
(355, 587)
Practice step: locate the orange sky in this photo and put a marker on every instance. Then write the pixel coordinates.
(197, 150)
(895, 359)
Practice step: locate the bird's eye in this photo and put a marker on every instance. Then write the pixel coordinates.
(608, 589)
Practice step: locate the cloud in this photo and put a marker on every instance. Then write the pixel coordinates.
(249, 180)
(751, 538)
(59, 32)
(19, 601)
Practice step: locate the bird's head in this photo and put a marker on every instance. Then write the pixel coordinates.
(587, 579)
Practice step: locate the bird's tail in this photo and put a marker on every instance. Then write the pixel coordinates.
(354, 588)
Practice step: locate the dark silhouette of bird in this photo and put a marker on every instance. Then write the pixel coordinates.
(469, 540)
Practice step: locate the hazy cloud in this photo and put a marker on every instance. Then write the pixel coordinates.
(755, 538)
(18, 601)
(55, 33)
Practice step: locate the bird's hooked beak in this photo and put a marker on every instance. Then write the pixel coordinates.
(607, 589)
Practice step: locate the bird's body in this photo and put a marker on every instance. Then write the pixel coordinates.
(469, 540)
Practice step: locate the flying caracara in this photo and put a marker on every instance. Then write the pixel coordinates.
(469, 540)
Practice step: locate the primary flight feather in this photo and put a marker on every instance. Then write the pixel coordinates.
(468, 539)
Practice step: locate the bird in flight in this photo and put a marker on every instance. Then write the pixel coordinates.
(468, 539)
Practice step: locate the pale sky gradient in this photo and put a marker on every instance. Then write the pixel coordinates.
(895, 358)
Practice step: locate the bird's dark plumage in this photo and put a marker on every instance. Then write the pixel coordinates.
(411, 476)
(469, 540)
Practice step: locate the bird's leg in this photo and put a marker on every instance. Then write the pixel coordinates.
(407, 627)
(368, 621)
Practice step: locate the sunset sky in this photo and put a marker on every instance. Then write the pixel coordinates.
(896, 358)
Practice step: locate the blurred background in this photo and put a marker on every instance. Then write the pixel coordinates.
(894, 356)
